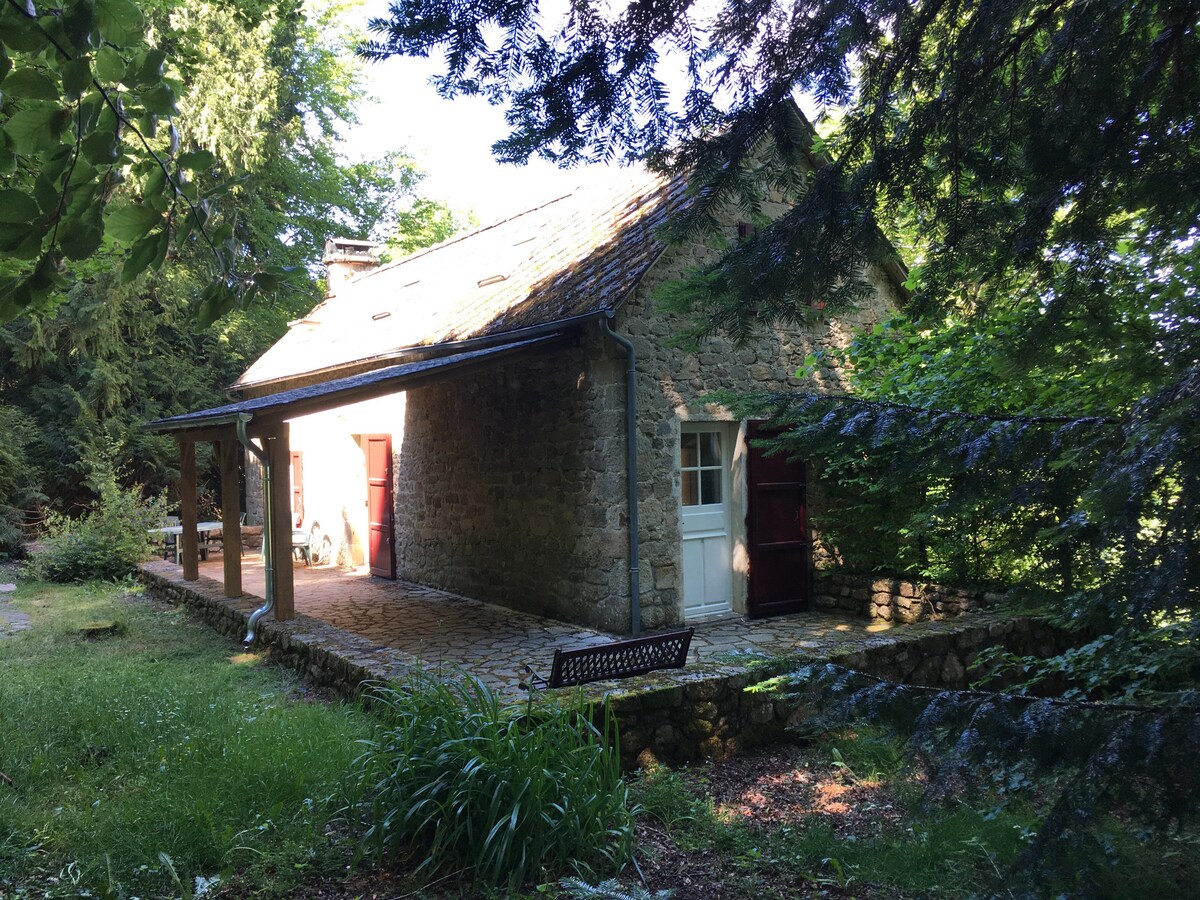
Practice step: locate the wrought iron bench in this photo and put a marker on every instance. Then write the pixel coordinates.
(619, 659)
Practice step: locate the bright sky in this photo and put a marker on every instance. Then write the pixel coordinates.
(451, 141)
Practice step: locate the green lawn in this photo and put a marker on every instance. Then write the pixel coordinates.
(144, 760)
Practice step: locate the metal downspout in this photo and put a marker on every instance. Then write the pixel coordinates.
(268, 530)
(631, 468)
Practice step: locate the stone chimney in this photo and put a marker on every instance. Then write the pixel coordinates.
(346, 258)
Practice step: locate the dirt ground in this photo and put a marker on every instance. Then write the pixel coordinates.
(777, 788)
(774, 788)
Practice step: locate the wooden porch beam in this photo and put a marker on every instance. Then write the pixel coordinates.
(216, 433)
(189, 544)
(231, 516)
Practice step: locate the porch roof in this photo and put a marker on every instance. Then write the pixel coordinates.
(341, 391)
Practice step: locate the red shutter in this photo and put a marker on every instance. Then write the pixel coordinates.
(381, 544)
(777, 531)
(297, 488)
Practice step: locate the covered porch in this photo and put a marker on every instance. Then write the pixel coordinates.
(260, 427)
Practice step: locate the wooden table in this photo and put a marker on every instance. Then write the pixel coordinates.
(172, 532)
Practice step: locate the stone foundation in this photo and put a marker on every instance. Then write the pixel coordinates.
(893, 599)
(323, 654)
(708, 710)
(716, 712)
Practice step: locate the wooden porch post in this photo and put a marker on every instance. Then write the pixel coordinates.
(278, 446)
(189, 544)
(231, 516)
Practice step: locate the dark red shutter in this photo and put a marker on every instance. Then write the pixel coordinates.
(297, 488)
(381, 545)
(777, 531)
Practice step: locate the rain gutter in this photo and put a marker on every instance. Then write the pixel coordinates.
(268, 527)
(631, 467)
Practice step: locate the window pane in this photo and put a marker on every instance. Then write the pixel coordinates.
(691, 489)
(710, 486)
(687, 451)
(710, 448)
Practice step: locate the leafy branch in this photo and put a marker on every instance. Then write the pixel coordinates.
(1092, 758)
(27, 9)
(73, 227)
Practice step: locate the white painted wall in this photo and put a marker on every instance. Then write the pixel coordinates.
(335, 469)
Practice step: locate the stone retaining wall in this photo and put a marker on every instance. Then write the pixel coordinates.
(323, 654)
(894, 599)
(705, 711)
(716, 712)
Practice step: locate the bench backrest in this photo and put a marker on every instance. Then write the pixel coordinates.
(621, 659)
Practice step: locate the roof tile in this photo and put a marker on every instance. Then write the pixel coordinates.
(581, 253)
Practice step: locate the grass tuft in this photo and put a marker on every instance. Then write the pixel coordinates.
(492, 793)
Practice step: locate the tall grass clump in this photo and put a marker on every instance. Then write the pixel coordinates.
(493, 792)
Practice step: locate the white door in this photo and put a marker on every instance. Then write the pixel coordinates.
(704, 453)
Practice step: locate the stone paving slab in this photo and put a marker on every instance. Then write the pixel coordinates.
(389, 627)
(12, 619)
(415, 625)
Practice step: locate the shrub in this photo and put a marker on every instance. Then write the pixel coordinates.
(494, 792)
(106, 543)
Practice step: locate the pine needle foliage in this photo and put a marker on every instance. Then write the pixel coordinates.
(1087, 762)
(952, 449)
(610, 890)
(494, 793)
(1009, 133)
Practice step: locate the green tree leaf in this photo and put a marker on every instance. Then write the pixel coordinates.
(149, 68)
(77, 77)
(160, 100)
(110, 67)
(130, 223)
(36, 128)
(147, 253)
(82, 236)
(29, 83)
(101, 148)
(120, 22)
(17, 207)
(195, 160)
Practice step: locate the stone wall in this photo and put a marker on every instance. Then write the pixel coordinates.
(894, 599)
(716, 712)
(511, 483)
(511, 487)
(703, 711)
(671, 389)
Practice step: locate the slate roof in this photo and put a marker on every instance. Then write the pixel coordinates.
(579, 254)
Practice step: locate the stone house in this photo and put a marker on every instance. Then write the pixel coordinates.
(458, 418)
